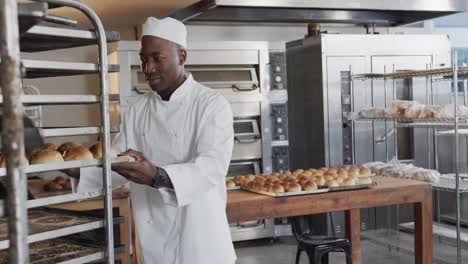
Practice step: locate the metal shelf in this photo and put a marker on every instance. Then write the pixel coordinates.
(64, 251)
(42, 69)
(57, 99)
(72, 131)
(57, 166)
(418, 123)
(448, 185)
(443, 73)
(452, 132)
(48, 230)
(76, 131)
(451, 218)
(62, 199)
(43, 38)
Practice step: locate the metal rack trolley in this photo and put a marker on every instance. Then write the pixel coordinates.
(19, 32)
(449, 74)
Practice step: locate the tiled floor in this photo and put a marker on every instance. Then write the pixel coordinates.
(380, 247)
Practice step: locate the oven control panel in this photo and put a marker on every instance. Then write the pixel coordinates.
(280, 158)
(279, 118)
(278, 71)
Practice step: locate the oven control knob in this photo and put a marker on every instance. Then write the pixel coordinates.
(278, 79)
(279, 120)
(346, 147)
(277, 68)
(279, 130)
(280, 161)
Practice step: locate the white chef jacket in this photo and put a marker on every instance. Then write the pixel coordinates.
(191, 137)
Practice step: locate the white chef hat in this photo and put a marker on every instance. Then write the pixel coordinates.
(167, 28)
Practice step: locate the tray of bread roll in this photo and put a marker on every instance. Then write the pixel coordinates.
(309, 181)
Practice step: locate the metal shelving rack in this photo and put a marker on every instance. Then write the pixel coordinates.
(443, 74)
(19, 31)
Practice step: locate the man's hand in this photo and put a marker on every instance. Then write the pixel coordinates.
(139, 171)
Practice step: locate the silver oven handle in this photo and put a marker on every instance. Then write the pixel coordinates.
(246, 141)
(235, 88)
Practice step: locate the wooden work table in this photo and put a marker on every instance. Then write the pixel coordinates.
(246, 206)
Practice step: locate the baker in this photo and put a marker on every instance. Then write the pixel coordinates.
(181, 136)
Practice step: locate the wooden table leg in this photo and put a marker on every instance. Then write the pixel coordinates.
(353, 233)
(423, 230)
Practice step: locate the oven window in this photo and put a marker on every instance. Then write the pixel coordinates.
(241, 169)
(243, 127)
(222, 76)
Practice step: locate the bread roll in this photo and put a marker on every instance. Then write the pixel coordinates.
(96, 150)
(266, 187)
(77, 153)
(365, 180)
(320, 181)
(238, 179)
(295, 187)
(298, 171)
(349, 182)
(340, 179)
(53, 186)
(276, 188)
(323, 169)
(46, 156)
(66, 146)
(307, 174)
(230, 183)
(251, 185)
(33, 151)
(364, 171)
(353, 172)
(309, 186)
(60, 180)
(332, 183)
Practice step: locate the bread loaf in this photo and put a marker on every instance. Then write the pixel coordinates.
(46, 156)
(77, 153)
(96, 150)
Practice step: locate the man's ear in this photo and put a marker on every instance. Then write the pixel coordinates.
(182, 56)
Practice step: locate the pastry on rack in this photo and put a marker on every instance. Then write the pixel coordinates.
(59, 183)
(46, 156)
(77, 153)
(96, 150)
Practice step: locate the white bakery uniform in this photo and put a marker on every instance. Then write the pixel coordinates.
(191, 137)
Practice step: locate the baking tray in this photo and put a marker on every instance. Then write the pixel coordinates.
(352, 187)
(56, 251)
(233, 188)
(285, 194)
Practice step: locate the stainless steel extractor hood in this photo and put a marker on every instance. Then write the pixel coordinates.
(361, 12)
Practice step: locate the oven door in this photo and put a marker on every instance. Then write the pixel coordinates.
(237, 84)
(243, 168)
(247, 143)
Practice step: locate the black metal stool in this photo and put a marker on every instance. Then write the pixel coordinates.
(317, 247)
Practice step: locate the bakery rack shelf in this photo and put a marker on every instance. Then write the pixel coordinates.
(62, 99)
(72, 197)
(56, 166)
(42, 68)
(41, 31)
(73, 131)
(64, 251)
(448, 185)
(442, 73)
(47, 224)
(452, 132)
(42, 38)
(419, 123)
